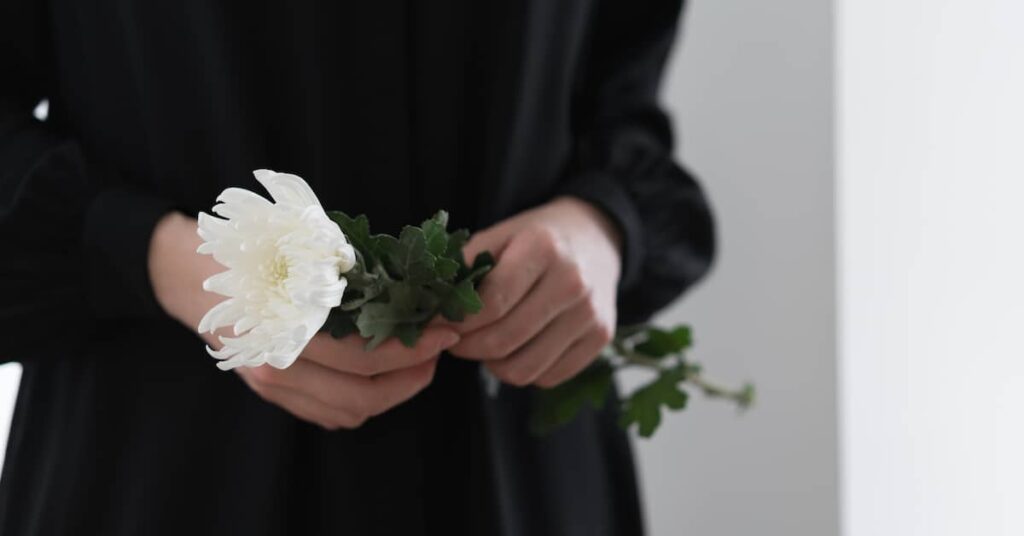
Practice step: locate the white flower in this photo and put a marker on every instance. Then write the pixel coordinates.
(284, 260)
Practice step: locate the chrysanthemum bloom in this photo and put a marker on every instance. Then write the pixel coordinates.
(284, 258)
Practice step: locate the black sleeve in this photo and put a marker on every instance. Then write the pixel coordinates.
(624, 159)
(73, 242)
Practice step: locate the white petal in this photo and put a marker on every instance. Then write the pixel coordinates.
(283, 361)
(227, 283)
(227, 351)
(223, 314)
(211, 228)
(287, 188)
(347, 258)
(246, 323)
(228, 365)
(241, 196)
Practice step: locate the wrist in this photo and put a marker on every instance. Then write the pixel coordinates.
(601, 220)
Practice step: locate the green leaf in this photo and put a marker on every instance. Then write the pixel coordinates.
(379, 320)
(643, 407)
(436, 234)
(660, 343)
(456, 241)
(408, 258)
(408, 333)
(446, 269)
(559, 405)
(462, 300)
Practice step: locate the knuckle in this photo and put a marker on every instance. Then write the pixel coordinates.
(545, 241)
(604, 333)
(589, 310)
(499, 305)
(574, 284)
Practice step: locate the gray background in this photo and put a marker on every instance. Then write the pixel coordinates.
(750, 87)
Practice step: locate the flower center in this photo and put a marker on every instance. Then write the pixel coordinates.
(277, 270)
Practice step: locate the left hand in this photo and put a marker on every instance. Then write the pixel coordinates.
(549, 303)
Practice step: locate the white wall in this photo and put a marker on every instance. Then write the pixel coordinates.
(10, 374)
(751, 88)
(931, 139)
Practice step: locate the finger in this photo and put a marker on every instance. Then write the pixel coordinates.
(556, 292)
(576, 358)
(399, 386)
(543, 351)
(493, 239)
(349, 354)
(362, 396)
(519, 267)
(299, 404)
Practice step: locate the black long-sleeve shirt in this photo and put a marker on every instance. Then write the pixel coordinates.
(392, 108)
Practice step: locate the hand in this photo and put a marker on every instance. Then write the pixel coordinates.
(334, 383)
(549, 304)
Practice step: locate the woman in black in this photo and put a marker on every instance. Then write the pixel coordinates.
(535, 122)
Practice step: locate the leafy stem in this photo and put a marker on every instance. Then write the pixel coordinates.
(743, 397)
(645, 347)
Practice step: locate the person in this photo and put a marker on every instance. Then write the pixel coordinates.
(535, 123)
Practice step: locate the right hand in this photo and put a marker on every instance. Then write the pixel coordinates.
(335, 383)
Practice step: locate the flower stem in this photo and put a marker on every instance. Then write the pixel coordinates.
(622, 351)
(743, 397)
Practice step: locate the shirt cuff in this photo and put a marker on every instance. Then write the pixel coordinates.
(116, 234)
(604, 192)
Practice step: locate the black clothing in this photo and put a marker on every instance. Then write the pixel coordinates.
(391, 108)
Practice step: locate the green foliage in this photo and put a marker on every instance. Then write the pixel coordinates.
(643, 407)
(660, 343)
(658, 350)
(400, 283)
(557, 406)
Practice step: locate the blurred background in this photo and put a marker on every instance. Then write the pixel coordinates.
(865, 162)
(750, 87)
